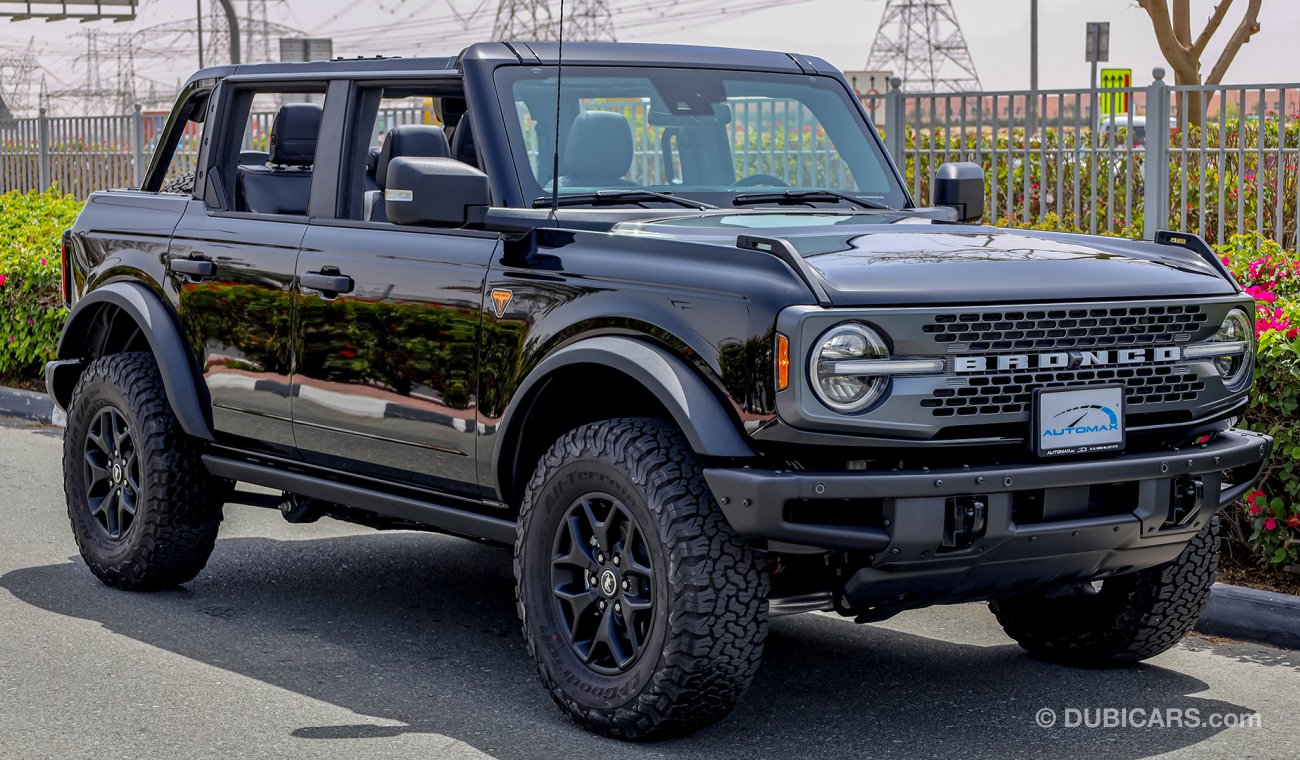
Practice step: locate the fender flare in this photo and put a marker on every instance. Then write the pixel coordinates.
(695, 408)
(159, 324)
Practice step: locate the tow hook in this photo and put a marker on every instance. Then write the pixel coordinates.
(1185, 501)
(964, 521)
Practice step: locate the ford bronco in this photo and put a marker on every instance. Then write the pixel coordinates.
(667, 322)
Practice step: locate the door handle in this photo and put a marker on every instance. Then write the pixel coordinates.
(328, 283)
(198, 267)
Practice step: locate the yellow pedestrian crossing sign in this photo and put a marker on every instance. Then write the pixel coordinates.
(1115, 103)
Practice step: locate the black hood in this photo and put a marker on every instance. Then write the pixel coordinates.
(896, 259)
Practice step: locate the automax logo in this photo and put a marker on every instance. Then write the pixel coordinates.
(1083, 420)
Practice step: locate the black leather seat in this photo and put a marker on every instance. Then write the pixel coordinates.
(372, 165)
(598, 152)
(406, 141)
(463, 148)
(284, 185)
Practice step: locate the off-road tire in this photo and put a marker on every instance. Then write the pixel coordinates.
(178, 506)
(710, 617)
(181, 184)
(1131, 618)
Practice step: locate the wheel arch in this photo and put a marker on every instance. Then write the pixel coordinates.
(128, 316)
(603, 374)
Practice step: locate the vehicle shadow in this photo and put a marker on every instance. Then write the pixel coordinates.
(421, 630)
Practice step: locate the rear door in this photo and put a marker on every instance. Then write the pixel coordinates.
(236, 309)
(237, 261)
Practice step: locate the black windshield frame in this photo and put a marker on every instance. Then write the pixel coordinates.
(847, 126)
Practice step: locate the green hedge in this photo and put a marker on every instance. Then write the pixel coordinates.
(1269, 522)
(31, 316)
(31, 308)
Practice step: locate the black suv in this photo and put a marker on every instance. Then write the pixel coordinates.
(669, 324)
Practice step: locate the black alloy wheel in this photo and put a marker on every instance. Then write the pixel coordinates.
(603, 582)
(111, 471)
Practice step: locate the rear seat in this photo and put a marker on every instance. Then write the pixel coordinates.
(284, 185)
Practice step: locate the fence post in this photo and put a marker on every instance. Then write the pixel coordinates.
(1156, 180)
(137, 131)
(895, 122)
(43, 151)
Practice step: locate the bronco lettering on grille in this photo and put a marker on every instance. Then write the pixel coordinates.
(1066, 359)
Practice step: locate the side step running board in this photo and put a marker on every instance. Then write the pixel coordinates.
(437, 516)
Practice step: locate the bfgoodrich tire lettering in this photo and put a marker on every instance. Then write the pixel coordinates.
(176, 505)
(709, 591)
(1129, 619)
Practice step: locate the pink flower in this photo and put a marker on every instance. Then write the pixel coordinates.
(42, 262)
(2, 280)
(1270, 523)
(1261, 294)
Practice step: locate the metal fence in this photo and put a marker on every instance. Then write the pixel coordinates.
(84, 154)
(1053, 158)
(1214, 160)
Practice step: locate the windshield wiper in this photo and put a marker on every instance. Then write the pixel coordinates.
(796, 197)
(619, 196)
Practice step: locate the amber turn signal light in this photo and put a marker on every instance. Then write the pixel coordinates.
(782, 362)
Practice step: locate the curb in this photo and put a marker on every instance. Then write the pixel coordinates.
(1264, 617)
(30, 405)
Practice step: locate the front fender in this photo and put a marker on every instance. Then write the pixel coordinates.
(160, 328)
(699, 413)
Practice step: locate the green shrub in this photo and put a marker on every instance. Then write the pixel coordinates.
(1269, 521)
(31, 304)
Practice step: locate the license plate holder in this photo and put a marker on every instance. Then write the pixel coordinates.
(1069, 421)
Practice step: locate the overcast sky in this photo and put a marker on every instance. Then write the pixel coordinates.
(839, 30)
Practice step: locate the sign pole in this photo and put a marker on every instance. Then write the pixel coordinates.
(1031, 112)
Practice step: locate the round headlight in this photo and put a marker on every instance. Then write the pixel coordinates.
(1236, 328)
(847, 342)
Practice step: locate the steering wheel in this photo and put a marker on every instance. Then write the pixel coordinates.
(756, 180)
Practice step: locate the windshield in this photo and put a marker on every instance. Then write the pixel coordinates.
(704, 134)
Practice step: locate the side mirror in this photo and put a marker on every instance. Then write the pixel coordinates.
(434, 192)
(961, 186)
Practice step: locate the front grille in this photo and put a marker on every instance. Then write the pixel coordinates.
(1060, 329)
(1094, 328)
(1013, 392)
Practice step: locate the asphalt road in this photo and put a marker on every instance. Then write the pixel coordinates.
(326, 641)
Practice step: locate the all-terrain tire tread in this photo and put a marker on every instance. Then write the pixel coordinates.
(177, 528)
(1159, 606)
(714, 642)
(182, 184)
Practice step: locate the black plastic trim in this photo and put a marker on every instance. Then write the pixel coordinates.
(754, 500)
(699, 413)
(434, 515)
(159, 325)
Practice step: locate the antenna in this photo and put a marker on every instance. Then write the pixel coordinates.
(559, 87)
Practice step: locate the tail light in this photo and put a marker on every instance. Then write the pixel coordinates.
(66, 271)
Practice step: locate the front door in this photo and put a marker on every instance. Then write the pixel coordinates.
(236, 308)
(387, 340)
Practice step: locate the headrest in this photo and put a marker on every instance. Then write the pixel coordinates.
(293, 134)
(410, 141)
(599, 147)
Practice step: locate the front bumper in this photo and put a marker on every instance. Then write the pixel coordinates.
(918, 532)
